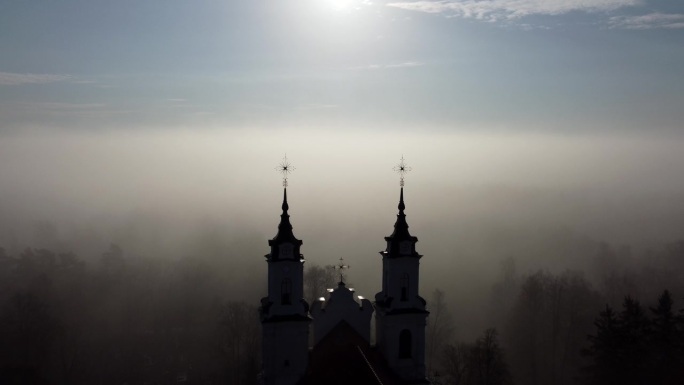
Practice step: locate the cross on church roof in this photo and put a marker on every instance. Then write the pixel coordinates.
(401, 169)
(341, 267)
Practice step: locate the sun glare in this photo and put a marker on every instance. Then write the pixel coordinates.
(345, 5)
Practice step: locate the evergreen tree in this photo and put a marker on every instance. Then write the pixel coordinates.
(664, 336)
(634, 352)
(605, 348)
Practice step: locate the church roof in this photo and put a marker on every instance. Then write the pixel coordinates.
(343, 357)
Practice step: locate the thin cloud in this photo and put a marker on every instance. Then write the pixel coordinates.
(494, 10)
(408, 64)
(67, 106)
(317, 106)
(654, 20)
(13, 79)
(405, 65)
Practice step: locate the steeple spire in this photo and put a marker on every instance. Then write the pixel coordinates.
(285, 205)
(401, 206)
(401, 235)
(285, 234)
(401, 226)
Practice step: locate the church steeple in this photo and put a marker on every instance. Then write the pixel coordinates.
(400, 310)
(284, 312)
(401, 242)
(284, 244)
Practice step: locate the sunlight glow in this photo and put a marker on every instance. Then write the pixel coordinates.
(346, 5)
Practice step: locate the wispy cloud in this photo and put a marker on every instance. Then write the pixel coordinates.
(408, 64)
(57, 106)
(12, 79)
(317, 106)
(649, 21)
(494, 10)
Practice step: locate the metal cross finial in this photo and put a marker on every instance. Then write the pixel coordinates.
(341, 267)
(285, 168)
(402, 169)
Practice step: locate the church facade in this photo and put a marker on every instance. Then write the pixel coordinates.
(342, 351)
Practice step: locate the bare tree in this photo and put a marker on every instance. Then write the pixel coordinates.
(487, 364)
(440, 329)
(316, 280)
(239, 341)
(480, 363)
(454, 361)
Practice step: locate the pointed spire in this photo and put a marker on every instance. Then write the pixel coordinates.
(401, 242)
(401, 206)
(285, 234)
(285, 227)
(401, 226)
(285, 205)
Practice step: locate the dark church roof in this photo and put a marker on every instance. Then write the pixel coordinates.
(343, 357)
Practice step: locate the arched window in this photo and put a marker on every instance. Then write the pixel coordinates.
(404, 286)
(405, 344)
(286, 292)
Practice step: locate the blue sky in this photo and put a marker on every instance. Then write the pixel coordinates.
(464, 65)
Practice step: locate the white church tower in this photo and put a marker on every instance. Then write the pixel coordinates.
(400, 311)
(284, 313)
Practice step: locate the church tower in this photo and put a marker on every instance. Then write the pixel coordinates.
(400, 311)
(284, 312)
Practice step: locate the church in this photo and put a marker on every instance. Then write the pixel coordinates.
(342, 351)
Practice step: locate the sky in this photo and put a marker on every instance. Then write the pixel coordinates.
(529, 125)
(469, 66)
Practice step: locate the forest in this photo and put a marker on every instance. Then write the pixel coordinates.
(122, 319)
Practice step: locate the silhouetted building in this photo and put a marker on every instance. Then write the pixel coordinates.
(342, 351)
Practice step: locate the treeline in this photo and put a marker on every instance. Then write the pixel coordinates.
(481, 362)
(552, 330)
(637, 346)
(121, 320)
(131, 319)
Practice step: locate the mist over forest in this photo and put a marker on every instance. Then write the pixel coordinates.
(139, 148)
(108, 237)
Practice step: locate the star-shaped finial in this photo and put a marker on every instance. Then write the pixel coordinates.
(341, 267)
(285, 168)
(402, 169)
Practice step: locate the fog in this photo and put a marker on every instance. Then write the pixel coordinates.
(547, 201)
(471, 198)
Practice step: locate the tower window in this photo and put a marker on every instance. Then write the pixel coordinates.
(404, 286)
(405, 344)
(286, 292)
